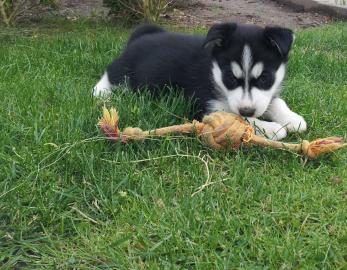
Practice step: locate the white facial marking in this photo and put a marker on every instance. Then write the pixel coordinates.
(218, 79)
(229, 96)
(238, 98)
(103, 87)
(215, 105)
(236, 69)
(261, 99)
(246, 64)
(246, 58)
(246, 100)
(257, 70)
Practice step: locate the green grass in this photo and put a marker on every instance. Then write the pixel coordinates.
(63, 206)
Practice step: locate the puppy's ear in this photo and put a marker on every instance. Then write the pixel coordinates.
(280, 38)
(219, 35)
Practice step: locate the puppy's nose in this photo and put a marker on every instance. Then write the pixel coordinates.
(246, 111)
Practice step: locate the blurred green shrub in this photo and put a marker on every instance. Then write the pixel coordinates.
(12, 10)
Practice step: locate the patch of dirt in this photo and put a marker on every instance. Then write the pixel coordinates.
(208, 12)
(74, 9)
(260, 12)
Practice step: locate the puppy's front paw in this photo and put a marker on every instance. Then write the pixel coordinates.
(294, 123)
(101, 92)
(103, 88)
(271, 130)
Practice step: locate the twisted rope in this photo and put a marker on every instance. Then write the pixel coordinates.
(219, 130)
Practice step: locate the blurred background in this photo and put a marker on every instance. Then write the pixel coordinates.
(290, 13)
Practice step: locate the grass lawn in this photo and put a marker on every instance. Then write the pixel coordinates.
(71, 200)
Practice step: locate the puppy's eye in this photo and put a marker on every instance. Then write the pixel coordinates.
(264, 77)
(229, 80)
(264, 81)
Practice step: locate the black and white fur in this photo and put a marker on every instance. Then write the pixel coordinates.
(235, 68)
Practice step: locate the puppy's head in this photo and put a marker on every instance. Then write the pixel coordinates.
(249, 64)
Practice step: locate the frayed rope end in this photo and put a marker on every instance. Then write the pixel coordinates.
(109, 123)
(321, 146)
